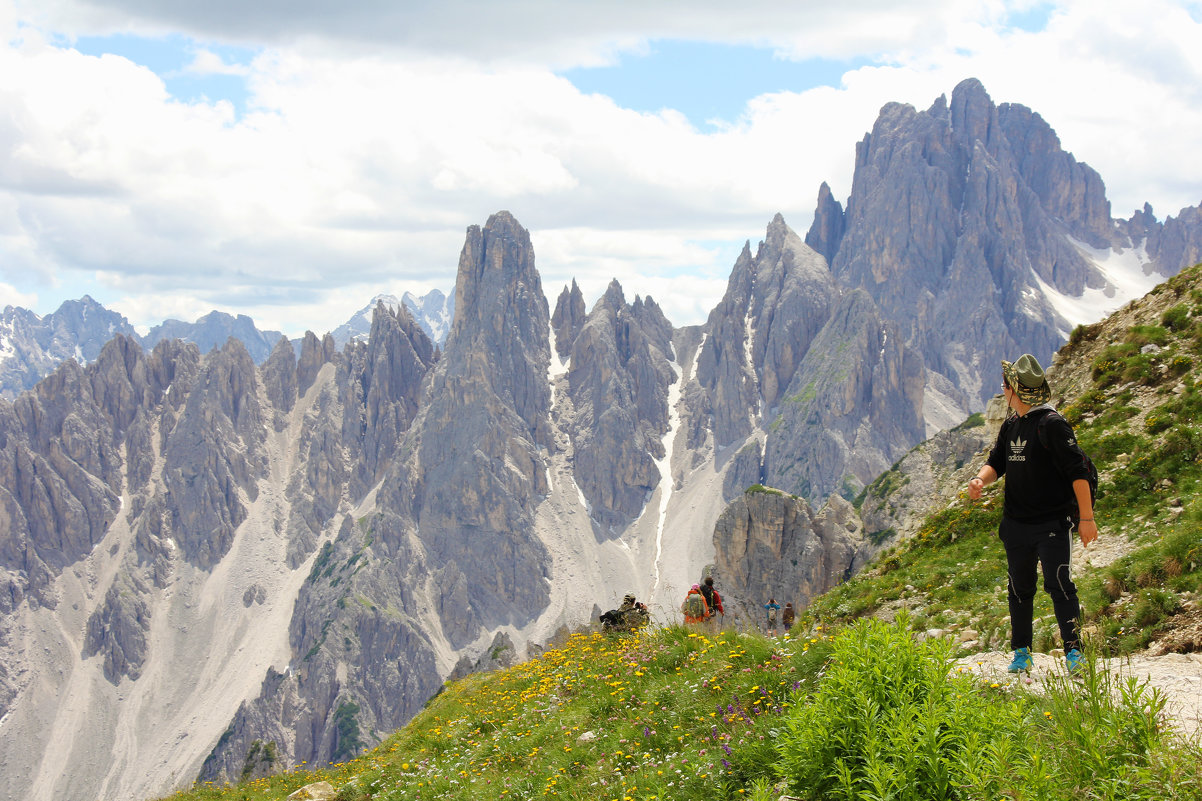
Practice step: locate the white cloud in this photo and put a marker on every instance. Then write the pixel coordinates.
(11, 296)
(373, 137)
(206, 62)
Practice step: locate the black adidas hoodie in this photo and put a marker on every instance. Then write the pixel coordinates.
(1039, 480)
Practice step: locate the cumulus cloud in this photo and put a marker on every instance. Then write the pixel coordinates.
(374, 133)
(206, 62)
(11, 296)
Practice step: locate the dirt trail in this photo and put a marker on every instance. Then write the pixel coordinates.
(1178, 677)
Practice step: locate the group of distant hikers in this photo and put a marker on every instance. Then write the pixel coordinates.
(701, 607)
(702, 603)
(1049, 494)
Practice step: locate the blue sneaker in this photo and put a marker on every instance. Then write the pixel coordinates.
(1074, 660)
(1022, 660)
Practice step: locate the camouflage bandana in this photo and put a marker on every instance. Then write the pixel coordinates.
(1026, 378)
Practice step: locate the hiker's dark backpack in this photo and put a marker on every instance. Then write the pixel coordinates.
(1090, 469)
(611, 619)
(708, 592)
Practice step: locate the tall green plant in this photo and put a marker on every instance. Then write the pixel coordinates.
(891, 721)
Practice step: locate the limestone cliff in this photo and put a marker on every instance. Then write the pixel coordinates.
(768, 544)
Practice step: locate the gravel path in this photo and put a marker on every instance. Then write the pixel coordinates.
(1177, 676)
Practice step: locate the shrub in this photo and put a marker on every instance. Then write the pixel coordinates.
(1109, 731)
(1084, 333)
(1140, 369)
(1140, 335)
(1157, 421)
(1176, 318)
(889, 721)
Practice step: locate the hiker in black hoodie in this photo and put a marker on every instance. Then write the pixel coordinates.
(1047, 491)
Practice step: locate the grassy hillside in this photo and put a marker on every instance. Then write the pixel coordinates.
(849, 706)
(1131, 388)
(675, 714)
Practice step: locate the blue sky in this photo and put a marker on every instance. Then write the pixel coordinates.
(170, 57)
(173, 158)
(710, 83)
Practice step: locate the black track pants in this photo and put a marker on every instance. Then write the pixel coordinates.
(1049, 545)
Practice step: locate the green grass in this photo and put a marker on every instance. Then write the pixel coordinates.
(669, 714)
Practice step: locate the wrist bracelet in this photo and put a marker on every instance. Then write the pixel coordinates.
(1085, 520)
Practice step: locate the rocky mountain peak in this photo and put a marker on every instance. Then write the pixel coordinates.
(826, 232)
(775, 304)
(992, 206)
(613, 300)
(482, 439)
(501, 316)
(973, 115)
(213, 329)
(618, 386)
(568, 318)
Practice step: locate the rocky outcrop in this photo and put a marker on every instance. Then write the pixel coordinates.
(927, 478)
(995, 212)
(214, 456)
(775, 304)
(383, 382)
(60, 479)
(618, 383)
(990, 202)
(36, 346)
(1067, 190)
(118, 629)
(771, 544)
(826, 232)
(853, 406)
(1179, 241)
(213, 330)
(745, 470)
(314, 354)
(567, 319)
(480, 445)
(280, 381)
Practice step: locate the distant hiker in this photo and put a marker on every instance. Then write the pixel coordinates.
(786, 617)
(772, 607)
(636, 616)
(695, 609)
(707, 589)
(714, 600)
(1047, 490)
(625, 618)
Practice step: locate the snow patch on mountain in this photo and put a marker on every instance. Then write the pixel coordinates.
(1128, 273)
